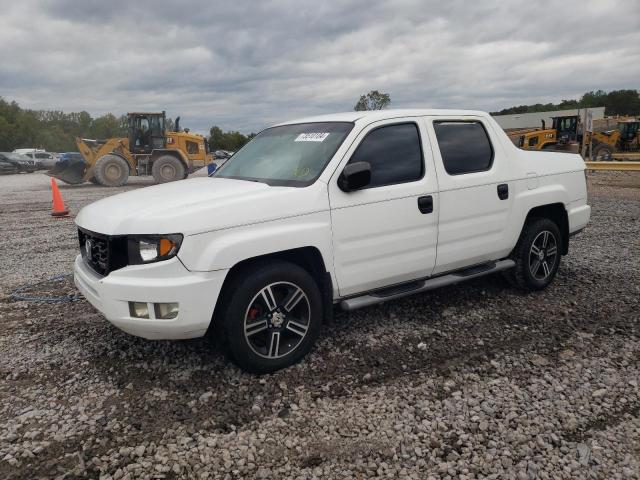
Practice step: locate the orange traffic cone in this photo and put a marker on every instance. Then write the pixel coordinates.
(58, 210)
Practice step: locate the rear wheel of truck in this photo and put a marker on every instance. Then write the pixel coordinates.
(168, 168)
(111, 171)
(537, 255)
(272, 317)
(603, 153)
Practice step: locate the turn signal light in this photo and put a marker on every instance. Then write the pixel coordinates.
(165, 246)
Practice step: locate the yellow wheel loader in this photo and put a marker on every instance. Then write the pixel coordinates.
(148, 149)
(562, 133)
(565, 133)
(625, 138)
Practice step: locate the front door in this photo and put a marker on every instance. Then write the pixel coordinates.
(386, 233)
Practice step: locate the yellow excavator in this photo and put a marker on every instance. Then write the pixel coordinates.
(148, 149)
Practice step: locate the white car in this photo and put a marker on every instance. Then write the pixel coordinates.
(44, 160)
(352, 209)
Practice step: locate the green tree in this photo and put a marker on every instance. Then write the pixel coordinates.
(374, 100)
(232, 140)
(623, 102)
(616, 102)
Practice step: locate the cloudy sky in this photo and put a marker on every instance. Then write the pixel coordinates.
(244, 65)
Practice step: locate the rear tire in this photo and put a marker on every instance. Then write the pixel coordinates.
(111, 171)
(271, 317)
(168, 168)
(602, 153)
(537, 255)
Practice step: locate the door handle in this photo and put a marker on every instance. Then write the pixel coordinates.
(425, 204)
(503, 191)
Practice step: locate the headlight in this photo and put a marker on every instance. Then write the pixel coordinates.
(152, 248)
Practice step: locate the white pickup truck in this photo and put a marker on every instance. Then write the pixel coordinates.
(352, 209)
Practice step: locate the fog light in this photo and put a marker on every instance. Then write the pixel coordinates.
(166, 311)
(138, 310)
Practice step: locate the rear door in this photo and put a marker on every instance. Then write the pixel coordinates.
(386, 233)
(475, 192)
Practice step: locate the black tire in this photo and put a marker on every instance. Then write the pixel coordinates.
(252, 348)
(602, 153)
(168, 168)
(526, 275)
(111, 171)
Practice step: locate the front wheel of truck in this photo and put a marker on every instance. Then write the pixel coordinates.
(273, 316)
(537, 255)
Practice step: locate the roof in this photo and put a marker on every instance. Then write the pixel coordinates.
(375, 115)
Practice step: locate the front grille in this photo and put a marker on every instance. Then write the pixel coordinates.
(102, 253)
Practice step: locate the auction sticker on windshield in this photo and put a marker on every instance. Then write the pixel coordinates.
(311, 137)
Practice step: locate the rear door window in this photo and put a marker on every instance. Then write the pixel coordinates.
(464, 146)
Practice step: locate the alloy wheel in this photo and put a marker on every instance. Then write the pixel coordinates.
(543, 255)
(277, 320)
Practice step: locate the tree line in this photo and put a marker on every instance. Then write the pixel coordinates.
(615, 102)
(53, 130)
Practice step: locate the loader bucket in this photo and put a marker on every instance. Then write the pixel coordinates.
(69, 171)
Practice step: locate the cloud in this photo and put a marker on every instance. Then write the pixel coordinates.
(245, 65)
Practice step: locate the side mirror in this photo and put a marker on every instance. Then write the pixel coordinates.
(355, 176)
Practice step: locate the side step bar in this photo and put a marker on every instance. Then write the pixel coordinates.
(424, 285)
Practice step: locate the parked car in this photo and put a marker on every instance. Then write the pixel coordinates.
(222, 154)
(44, 160)
(351, 209)
(69, 156)
(15, 163)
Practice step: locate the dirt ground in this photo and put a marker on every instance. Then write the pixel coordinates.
(470, 381)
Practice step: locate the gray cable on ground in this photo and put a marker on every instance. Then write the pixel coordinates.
(19, 296)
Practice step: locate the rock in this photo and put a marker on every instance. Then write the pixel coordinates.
(539, 361)
(599, 393)
(205, 397)
(584, 454)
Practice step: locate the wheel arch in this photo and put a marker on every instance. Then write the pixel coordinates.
(557, 213)
(309, 258)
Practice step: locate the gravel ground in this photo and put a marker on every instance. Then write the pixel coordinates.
(470, 381)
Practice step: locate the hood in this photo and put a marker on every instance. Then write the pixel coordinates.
(199, 205)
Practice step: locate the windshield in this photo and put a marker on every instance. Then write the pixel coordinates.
(290, 155)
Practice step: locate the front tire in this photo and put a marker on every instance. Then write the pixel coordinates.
(537, 255)
(603, 153)
(111, 171)
(273, 316)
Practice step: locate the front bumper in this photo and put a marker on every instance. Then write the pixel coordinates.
(161, 282)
